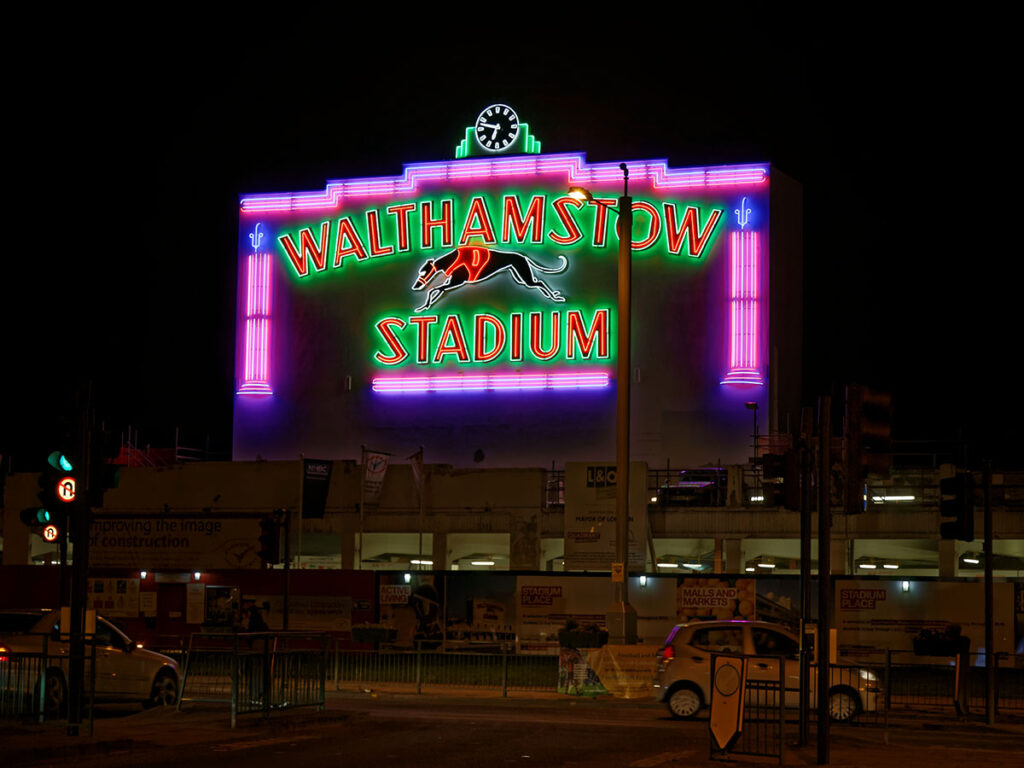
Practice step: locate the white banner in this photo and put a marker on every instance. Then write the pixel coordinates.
(375, 466)
(590, 490)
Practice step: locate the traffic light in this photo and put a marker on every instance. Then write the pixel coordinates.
(58, 490)
(956, 500)
(104, 474)
(868, 443)
(270, 540)
(41, 522)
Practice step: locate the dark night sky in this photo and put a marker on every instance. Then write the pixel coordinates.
(133, 151)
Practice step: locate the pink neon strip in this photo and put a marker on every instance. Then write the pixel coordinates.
(493, 381)
(572, 168)
(744, 292)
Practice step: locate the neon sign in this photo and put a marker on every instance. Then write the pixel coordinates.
(439, 232)
(426, 225)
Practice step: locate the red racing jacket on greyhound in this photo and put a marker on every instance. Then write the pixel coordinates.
(472, 259)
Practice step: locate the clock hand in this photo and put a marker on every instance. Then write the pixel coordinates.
(488, 125)
(494, 133)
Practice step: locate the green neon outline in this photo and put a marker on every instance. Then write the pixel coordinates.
(408, 337)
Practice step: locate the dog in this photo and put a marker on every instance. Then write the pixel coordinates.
(474, 264)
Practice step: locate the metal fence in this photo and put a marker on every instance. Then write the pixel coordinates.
(421, 669)
(256, 672)
(929, 684)
(34, 684)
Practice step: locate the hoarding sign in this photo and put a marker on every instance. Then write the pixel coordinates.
(151, 543)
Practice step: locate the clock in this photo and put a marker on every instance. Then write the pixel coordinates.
(497, 127)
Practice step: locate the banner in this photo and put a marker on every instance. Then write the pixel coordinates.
(316, 482)
(197, 543)
(375, 466)
(590, 493)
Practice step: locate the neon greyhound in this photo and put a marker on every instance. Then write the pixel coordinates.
(473, 264)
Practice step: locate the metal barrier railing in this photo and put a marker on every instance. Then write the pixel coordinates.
(923, 683)
(419, 668)
(34, 684)
(256, 672)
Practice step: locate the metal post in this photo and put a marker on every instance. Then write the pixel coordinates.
(287, 561)
(266, 686)
(990, 656)
(504, 671)
(824, 569)
(234, 681)
(806, 464)
(888, 691)
(623, 630)
(80, 515)
(419, 669)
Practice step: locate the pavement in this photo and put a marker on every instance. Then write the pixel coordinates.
(129, 730)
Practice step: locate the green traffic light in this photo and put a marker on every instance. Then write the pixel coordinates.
(43, 516)
(58, 460)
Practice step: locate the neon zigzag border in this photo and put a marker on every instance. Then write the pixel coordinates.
(574, 166)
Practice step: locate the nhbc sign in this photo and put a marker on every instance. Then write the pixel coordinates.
(482, 275)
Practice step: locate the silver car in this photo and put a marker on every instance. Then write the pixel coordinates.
(124, 671)
(683, 676)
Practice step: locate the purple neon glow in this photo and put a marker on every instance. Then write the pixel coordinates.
(570, 169)
(744, 308)
(256, 366)
(489, 381)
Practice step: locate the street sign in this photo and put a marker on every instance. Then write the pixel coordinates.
(51, 532)
(729, 684)
(618, 573)
(66, 489)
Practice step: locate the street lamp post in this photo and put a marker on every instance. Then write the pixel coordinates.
(621, 615)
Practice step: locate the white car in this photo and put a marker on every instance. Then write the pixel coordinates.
(683, 676)
(124, 672)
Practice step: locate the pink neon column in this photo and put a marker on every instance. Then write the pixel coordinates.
(744, 309)
(256, 364)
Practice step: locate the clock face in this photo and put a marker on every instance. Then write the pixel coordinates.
(497, 127)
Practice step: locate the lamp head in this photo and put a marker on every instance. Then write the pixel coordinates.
(579, 193)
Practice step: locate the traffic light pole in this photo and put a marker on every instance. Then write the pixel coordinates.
(79, 521)
(990, 630)
(824, 569)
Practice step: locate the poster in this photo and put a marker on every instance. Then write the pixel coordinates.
(625, 671)
(114, 597)
(873, 614)
(195, 603)
(590, 493)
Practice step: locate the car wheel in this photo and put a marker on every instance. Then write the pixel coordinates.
(843, 705)
(55, 698)
(684, 702)
(165, 690)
